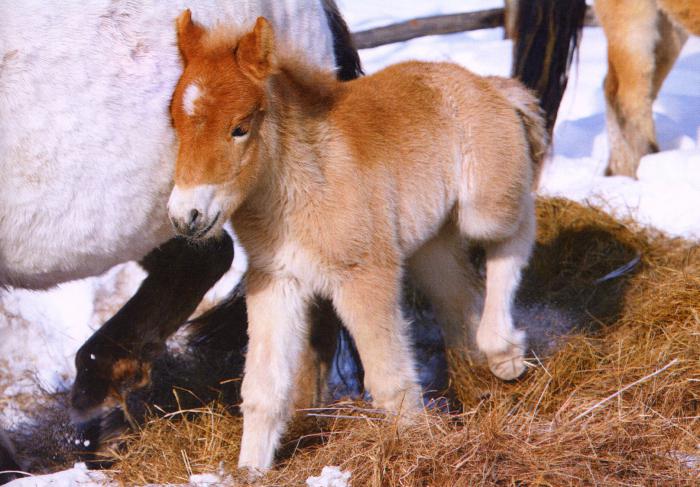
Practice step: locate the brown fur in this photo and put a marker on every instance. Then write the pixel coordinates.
(336, 185)
(644, 40)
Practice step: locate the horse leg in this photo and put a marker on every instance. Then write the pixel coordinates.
(278, 338)
(316, 360)
(368, 303)
(671, 41)
(442, 271)
(117, 358)
(631, 30)
(506, 226)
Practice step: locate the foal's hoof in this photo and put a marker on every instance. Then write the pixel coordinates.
(508, 363)
(251, 474)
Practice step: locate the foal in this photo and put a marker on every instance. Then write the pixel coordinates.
(332, 187)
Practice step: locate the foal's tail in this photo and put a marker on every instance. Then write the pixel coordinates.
(546, 39)
(532, 117)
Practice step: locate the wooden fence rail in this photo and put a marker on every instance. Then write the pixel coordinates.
(437, 25)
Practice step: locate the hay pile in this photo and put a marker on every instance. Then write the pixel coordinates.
(616, 403)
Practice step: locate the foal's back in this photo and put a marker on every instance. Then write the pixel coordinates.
(436, 130)
(418, 115)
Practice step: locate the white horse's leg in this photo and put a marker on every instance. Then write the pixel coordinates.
(497, 338)
(277, 329)
(368, 304)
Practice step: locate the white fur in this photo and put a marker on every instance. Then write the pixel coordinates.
(276, 343)
(201, 198)
(190, 97)
(210, 200)
(86, 146)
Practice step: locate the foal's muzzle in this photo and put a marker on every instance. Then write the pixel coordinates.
(195, 226)
(194, 211)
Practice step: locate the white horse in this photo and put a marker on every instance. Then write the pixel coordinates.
(87, 153)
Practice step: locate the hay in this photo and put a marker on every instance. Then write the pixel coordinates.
(615, 402)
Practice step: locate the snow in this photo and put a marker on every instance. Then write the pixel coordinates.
(78, 476)
(330, 477)
(210, 480)
(42, 330)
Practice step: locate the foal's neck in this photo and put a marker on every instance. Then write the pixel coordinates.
(300, 100)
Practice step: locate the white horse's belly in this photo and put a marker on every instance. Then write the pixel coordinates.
(86, 145)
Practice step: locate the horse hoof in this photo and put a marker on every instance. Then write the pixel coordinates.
(507, 366)
(622, 166)
(251, 474)
(508, 362)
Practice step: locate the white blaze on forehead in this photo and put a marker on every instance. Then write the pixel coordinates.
(192, 93)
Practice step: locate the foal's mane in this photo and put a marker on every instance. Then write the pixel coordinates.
(314, 85)
(293, 74)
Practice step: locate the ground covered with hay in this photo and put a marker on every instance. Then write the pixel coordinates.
(615, 400)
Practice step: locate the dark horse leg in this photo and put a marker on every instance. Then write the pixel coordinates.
(118, 357)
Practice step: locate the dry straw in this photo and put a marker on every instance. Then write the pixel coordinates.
(616, 403)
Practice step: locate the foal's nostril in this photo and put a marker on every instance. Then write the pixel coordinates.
(194, 215)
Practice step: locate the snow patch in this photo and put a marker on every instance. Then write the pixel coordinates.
(79, 475)
(330, 477)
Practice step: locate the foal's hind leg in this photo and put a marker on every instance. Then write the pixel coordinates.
(507, 252)
(117, 357)
(668, 47)
(442, 271)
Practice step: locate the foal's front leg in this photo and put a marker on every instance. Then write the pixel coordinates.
(368, 303)
(277, 329)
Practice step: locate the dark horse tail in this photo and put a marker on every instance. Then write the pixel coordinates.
(346, 57)
(546, 39)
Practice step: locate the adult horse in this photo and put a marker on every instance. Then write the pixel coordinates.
(644, 40)
(86, 157)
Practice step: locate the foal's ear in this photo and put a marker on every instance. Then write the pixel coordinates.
(189, 35)
(255, 52)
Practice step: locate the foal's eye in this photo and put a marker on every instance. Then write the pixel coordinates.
(239, 131)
